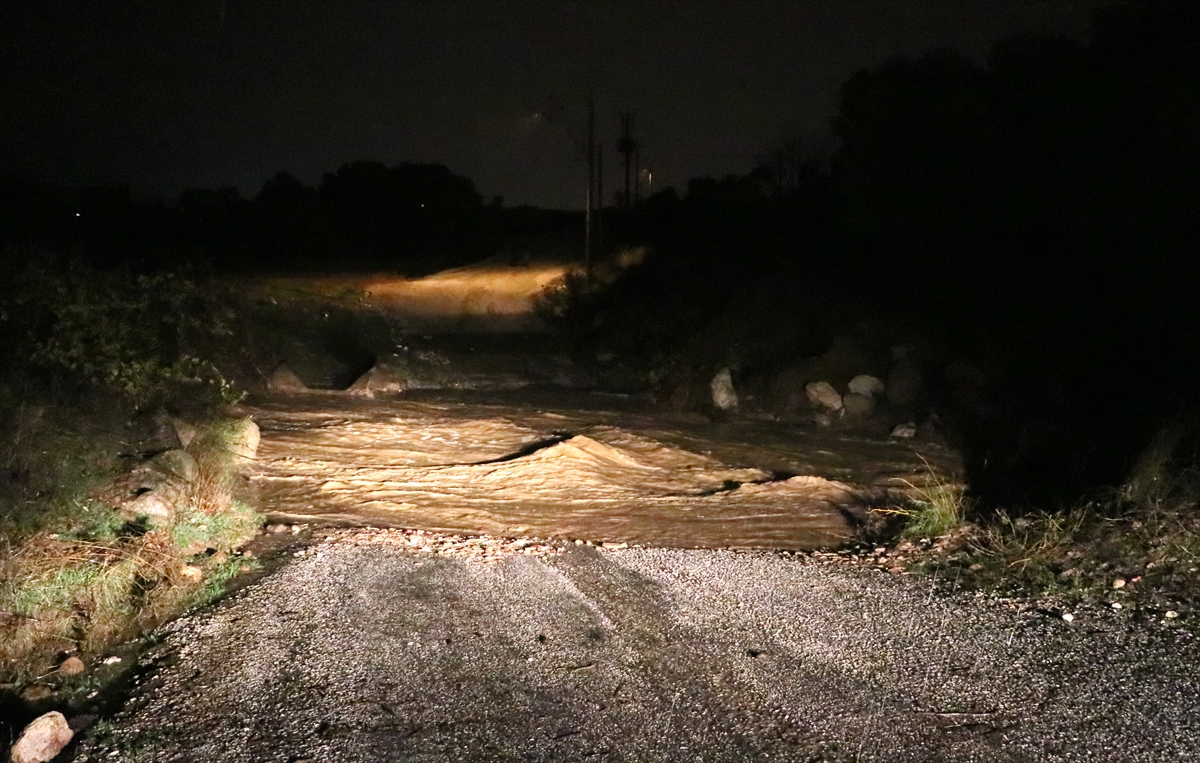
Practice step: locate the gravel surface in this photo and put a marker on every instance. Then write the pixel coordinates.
(373, 647)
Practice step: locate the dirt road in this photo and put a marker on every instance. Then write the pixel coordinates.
(377, 653)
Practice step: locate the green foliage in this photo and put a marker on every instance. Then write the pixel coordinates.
(143, 335)
(567, 303)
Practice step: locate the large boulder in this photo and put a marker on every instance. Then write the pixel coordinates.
(379, 379)
(724, 396)
(823, 396)
(866, 385)
(243, 439)
(284, 380)
(176, 464)
(43, 739)
(857, 405)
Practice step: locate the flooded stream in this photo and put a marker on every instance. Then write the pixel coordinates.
(573, 465)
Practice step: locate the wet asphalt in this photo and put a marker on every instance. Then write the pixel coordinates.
(368, 653)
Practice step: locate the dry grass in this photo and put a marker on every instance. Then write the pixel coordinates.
(80, 584)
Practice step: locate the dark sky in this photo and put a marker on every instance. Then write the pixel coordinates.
(166, 95)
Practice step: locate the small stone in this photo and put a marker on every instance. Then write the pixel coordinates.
(1119, 583)
(975, 567)
(191, 573)
(1171, 614)
(112, 660)
(1068, 617)
(72, 666)
(36, 693)
(1116, 605)
(43, 739)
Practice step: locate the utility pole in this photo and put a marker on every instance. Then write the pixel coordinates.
(600, 199)
(587, 234)
(637, 173)
(627, 146)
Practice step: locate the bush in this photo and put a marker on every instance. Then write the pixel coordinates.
(146, 335)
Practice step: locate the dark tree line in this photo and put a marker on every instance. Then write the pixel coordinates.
(363, 216)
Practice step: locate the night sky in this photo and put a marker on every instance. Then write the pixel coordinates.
(167, 95)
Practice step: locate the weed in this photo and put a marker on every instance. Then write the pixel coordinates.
(936, 507)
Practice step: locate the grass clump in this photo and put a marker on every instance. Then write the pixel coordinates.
(939, 508)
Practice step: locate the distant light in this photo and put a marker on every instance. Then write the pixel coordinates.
(77, 214)
(422, 206)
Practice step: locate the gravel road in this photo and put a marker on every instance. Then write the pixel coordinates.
(366, 651)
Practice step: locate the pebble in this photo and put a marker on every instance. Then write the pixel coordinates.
(485, 548)
(1119, 583)
(1067, 616)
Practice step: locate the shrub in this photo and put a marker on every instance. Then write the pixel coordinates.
(144, 335)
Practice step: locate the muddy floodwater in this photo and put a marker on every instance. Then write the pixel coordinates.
(573, 465)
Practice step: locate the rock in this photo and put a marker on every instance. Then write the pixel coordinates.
(177, 463)
(36, 693)
(904, 382)
(284, 380)
(184, 432)
(379, 379)
(1119, 583)
(43, 739)
(243, 439)
(155, 504)
(823, 395)
(724, 396)
(191, 573)
(72, 666)
(858, 405)
(822, 420)
(866, 385)
(905, 431)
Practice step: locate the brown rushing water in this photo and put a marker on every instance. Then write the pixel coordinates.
(570, 465)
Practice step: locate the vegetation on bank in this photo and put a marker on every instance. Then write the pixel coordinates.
(1137, 544)
(95, 364)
